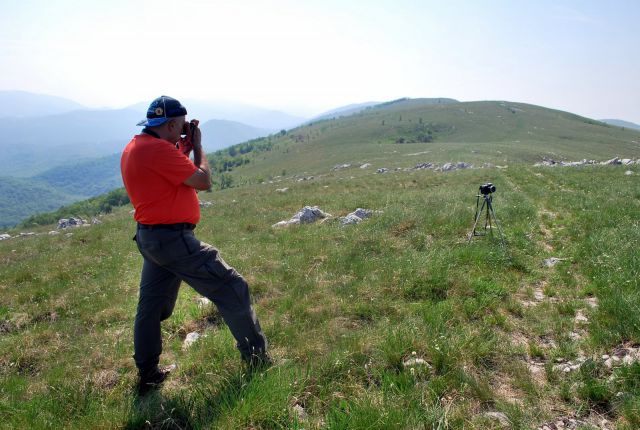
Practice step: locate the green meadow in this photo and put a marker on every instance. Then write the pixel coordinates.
(398, 322)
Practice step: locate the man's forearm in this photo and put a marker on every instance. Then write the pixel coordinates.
(201, 162)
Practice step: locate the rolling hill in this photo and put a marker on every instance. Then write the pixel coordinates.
(405, 132)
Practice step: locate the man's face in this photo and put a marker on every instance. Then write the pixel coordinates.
(175, 127)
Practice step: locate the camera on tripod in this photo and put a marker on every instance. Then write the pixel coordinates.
(487, 188)
(485, 211)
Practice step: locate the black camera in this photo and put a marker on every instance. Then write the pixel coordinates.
(187, 128)
(487, 188)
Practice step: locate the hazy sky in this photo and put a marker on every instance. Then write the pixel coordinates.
(308, 56)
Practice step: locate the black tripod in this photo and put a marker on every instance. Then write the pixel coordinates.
(487, 208)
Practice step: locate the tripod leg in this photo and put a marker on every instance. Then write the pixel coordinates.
(475, 223)
(495, 218)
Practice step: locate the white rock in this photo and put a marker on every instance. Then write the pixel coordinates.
(282, 190)
(628, 360)
(203, 302)
(350, 219)
(365, 165)
(5, 236)
(190, 339)
(424, 166)
(53, 233)
(204, 204)
(382, 170)
(550, 262)
(628, 172)
(580, 317)
(306, 215)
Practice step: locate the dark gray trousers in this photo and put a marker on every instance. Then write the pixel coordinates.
(175, 255)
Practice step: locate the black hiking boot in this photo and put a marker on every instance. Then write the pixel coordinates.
(258, 362)
(152, 379)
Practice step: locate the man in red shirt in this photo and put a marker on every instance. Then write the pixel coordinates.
(161, 182)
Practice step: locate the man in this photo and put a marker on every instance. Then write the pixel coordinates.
(161, 182)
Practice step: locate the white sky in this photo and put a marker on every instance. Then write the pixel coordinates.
(308, 56)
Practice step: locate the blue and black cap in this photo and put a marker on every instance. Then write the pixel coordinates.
(161, 110)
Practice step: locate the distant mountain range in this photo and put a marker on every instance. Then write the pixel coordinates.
(621, 123)
(20, 104)
(61, 131)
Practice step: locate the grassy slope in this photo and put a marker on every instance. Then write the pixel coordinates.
(477, 132)
(344, 307)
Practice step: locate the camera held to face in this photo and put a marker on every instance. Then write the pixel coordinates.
(487, 188)
(188, 127)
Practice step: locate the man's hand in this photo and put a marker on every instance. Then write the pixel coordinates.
(192, 138)
(201, 179)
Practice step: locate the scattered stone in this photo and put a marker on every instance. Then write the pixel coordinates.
(95, 221)
(307, 215)
(421, 166)
(580, 317)
(190, 339)
(305, 178)
(382, 170)
(203, 302)
(613, 162)
(550, 262)
(341, 167)
(282, 190)
(204, 204)
(446, 167)
(567, 423)
(575, 336)
(570, 366)
(5, 236)
(622, 356)
(498, 416)
(628, 172)
(53, 232)
(23, 234)
(365, 165)
(356, 216)
(65, 223)
(69, 234)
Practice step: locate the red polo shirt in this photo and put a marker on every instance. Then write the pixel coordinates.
(153, 172)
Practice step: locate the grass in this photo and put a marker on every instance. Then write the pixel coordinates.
(344, 308)
(347, 309)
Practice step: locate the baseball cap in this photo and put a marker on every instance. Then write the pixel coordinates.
(161, 110)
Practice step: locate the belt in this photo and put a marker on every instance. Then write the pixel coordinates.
(178, 226)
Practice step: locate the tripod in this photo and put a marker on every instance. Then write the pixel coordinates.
(487, 207)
